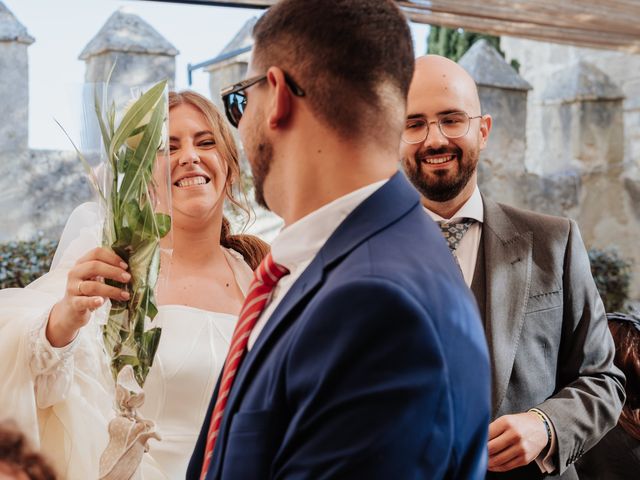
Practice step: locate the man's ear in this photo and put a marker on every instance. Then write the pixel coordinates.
(280, 107)
(485, 128)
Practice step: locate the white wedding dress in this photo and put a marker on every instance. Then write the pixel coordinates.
(63, 398)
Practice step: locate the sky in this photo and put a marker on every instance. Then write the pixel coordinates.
(62, 28)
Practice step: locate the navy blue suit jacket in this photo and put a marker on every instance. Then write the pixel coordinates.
(373, 366)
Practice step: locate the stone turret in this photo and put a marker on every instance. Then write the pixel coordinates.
(233, 69)
(14, 82)
(582, 120)
(141, 55)
(503, 95)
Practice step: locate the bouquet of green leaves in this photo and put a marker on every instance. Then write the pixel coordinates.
(133, 228)
(133, 144)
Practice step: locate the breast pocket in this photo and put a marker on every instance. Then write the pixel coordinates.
(544, 301)
(251, 445)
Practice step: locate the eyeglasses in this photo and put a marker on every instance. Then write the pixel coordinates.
(451, 125)
(235, 100)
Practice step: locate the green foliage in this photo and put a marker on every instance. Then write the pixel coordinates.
(612, 275)
(24, 261)
(133, 229)
(453, 43)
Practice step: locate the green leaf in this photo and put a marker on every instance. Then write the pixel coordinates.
(154, 268)
(134, 230)
(132, 216)
(150, 342)
(125, 160)
(123, 239)
(123, 360)
(106, 134)
(111, 120)
(140, 262)
(135, 115)
(163, 222)
(152, 310)
(145, 154)
(118, 319)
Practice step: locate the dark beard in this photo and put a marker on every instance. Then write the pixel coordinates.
(260, 169)
(441, 189)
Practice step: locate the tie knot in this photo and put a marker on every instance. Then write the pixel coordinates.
(454, 231)
(269, 272)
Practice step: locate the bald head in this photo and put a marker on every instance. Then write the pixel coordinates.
(438, 76)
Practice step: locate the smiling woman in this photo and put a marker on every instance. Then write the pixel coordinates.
(200, 143)
(62, 391)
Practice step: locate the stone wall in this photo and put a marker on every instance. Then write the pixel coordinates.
(503, 95)
(539, 60)
(14, 92)
(14, 86)
(40, 188)
(40, 196)
(583, 140)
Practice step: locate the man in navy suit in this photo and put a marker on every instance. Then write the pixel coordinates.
(368, 359)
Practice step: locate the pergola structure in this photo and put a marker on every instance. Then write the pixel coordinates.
(609, 24)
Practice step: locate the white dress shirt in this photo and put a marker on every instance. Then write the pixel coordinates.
(467, 251)
(297, 245)
(467, 255)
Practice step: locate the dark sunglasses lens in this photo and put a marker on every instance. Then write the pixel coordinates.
(235, 104)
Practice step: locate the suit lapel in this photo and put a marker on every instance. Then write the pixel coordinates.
(508, 275)
(385, 206)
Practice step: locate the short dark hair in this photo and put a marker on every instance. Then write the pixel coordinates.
(353, 58)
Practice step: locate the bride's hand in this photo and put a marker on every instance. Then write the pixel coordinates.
(85, 292)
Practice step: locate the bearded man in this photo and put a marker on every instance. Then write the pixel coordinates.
(555, 389)
(357, 357)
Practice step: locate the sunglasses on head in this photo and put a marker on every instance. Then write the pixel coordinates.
(235, 100)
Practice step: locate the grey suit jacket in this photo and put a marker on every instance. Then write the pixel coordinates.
(547, 333)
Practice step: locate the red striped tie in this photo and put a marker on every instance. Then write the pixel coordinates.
(265, 279)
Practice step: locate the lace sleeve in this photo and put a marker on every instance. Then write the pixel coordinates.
(52, 368)
(74, 382)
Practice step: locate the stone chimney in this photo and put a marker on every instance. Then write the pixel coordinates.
(14, 82)
(503, 95)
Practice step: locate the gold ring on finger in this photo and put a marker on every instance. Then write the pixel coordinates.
(80, 287)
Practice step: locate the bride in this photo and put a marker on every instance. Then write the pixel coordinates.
(56, 383)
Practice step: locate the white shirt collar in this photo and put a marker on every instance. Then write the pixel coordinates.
(472, 208)
(299, 243)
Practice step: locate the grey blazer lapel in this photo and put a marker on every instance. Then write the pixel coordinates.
(508, 255)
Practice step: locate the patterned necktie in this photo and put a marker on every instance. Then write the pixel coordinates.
(265, 279)
(454, 231)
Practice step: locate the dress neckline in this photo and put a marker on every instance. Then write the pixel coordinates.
(196, 309)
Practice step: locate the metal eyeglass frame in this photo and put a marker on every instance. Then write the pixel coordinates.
(428, 124)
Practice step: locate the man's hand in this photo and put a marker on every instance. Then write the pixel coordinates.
(515, 440)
